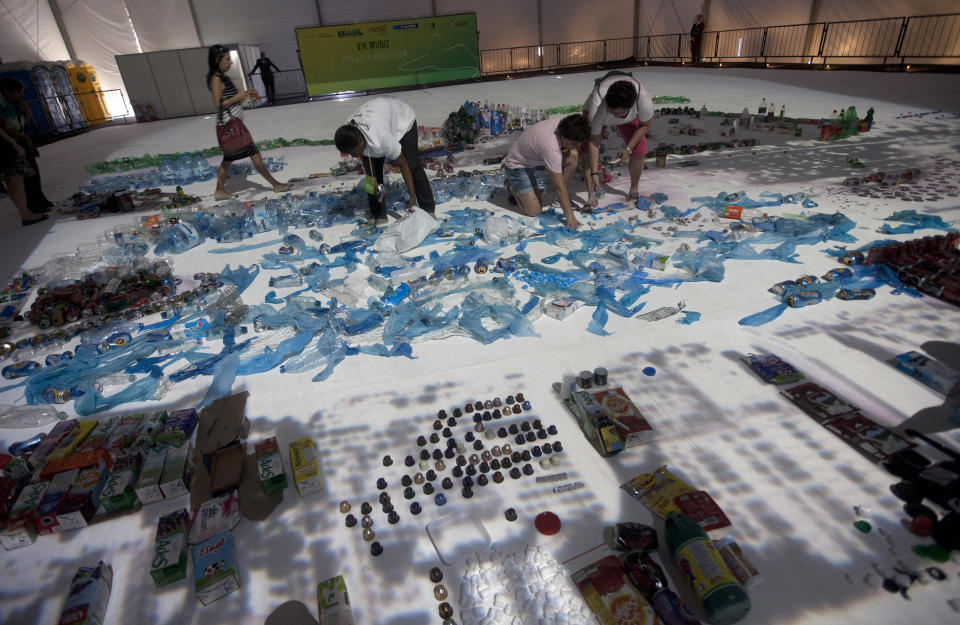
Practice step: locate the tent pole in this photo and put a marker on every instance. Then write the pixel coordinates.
(58, 18)
(196, 22)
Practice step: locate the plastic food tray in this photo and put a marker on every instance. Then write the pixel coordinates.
(457, 535)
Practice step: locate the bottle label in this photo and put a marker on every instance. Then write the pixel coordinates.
(732, 212)
(189, 231)
(699, 560)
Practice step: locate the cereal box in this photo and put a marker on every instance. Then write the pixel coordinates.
(80, 504)
(215, 571)
(89, 593)
(148, 485)
(124, 433)
(71, 441)
(611, 597)
(51, 441)
(169, 562)
(272, 476)
(97, 439)
(632, 425)
(306, 468)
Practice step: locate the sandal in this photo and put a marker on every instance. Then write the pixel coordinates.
(283, 188)
(30, 222)
(633, 195)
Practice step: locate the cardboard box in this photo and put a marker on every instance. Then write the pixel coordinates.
(169, 562)
(124, 433)
(178, 427)
(148, 484)
(633, 426)
(73, 440)
(51, 441)
(215, 571)
(226, 468)
(118, 493)
(45, 516)
(77, 460)
(273, 478)
(97, 439)
(80, 504)
(214, 516)
(89, 594)
(150, 427)
(561, 307)
(933, 373)
(18, 530)
(175, 476)
(333, 602)
(306, 467)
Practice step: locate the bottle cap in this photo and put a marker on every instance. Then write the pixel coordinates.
(547, 523)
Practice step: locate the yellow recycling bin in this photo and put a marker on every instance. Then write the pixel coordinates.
(86, 86)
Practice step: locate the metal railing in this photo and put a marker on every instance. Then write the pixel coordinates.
(883, 41)
(75, 112)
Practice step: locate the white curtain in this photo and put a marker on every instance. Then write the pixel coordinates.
(502, 23)
(28, 32)
(165, 25)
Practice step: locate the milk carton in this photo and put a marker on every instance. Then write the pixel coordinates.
(148, 485)
(174, 481)
(272, 476)
(215, 571)
(89, 593)
(306, 468)
(169, 562)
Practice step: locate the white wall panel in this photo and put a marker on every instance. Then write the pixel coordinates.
(165, 25)
(586, 21)
(28, 32)
(353, 11)
(838, 10)
(270, 25)
(502, 23)
(139, 83)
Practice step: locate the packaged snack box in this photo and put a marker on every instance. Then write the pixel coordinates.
(89, 593)
(18, 530)
(306, 468)
(97, 439)
(632, 425)
(272, 476)
(334, 602)
(70, 442)
(118, 493)
(77, 460)
(80, 504)
(611, 597)
(45, 517)
(215, 571)
(124, 433)
(51, 441)
(148, 430)
(169, 562)
(148, 485)
(174, 481)
(178, 427)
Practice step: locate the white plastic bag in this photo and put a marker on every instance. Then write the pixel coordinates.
(406, 234)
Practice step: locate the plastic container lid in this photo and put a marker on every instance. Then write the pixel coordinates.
(547, 523)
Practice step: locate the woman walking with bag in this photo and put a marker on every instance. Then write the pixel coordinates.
(232, 135)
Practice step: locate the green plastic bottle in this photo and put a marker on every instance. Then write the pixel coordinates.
(723, 599)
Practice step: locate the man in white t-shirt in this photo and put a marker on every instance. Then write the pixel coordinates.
(383, 128)
(616, 100)
(544, 144)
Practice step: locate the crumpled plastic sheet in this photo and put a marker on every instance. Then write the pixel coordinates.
(702, 264)
(510, 322)
(688, 317)
(914, 221)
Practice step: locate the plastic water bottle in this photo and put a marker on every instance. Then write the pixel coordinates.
(28, 416)
(723, 600)
(168, 172)
(738, 212)
(182, 237)
(762, 109)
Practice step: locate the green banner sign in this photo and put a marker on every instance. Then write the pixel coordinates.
(381, 55)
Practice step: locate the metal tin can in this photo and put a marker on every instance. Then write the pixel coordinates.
(852, 294)
(805, 280)
(481, 266)
(600, 376)
(780, 288)
(840, 273)
(803, 298)
(7, 348)
(852, 258)
(585, 379)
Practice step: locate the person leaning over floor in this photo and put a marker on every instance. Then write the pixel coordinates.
(617, 100)
(544, 144)
(383, 128)
(229, 113)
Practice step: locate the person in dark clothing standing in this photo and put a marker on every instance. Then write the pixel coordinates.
(14, 117)
(696, 38)
(264, 64)
(386, 127)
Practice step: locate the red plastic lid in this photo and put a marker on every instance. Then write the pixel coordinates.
(547, 523)
(922, 525)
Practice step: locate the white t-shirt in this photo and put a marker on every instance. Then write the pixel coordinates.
(538, 145)
(383, 122)
(599, 116)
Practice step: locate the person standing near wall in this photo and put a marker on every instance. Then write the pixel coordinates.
(230, 122)
(383, 128)
(13, 168)
(616, 100)
(696, 38)
(266, 74)
(14, 117)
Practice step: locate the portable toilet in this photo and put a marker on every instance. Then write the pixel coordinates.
(40, 123)
(61, 80)
(86, 87)
(49, 98)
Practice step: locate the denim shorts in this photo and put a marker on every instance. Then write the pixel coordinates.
(521, 180)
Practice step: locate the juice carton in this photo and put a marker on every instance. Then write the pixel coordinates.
(45, 517)
(70, 442)
(306, 469)
(174, 481)
(169, 562)
(148, 430)
(178, 427)
(18, 530)
(611, 597)
(933, 373)
(148, 484)
(334, 602)
(214, 516)
(51, 441)
(80, 504)
(89, 593)
(272, 476)
(97, 439)
(124, 433)
(118, 493)
(215, 568)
